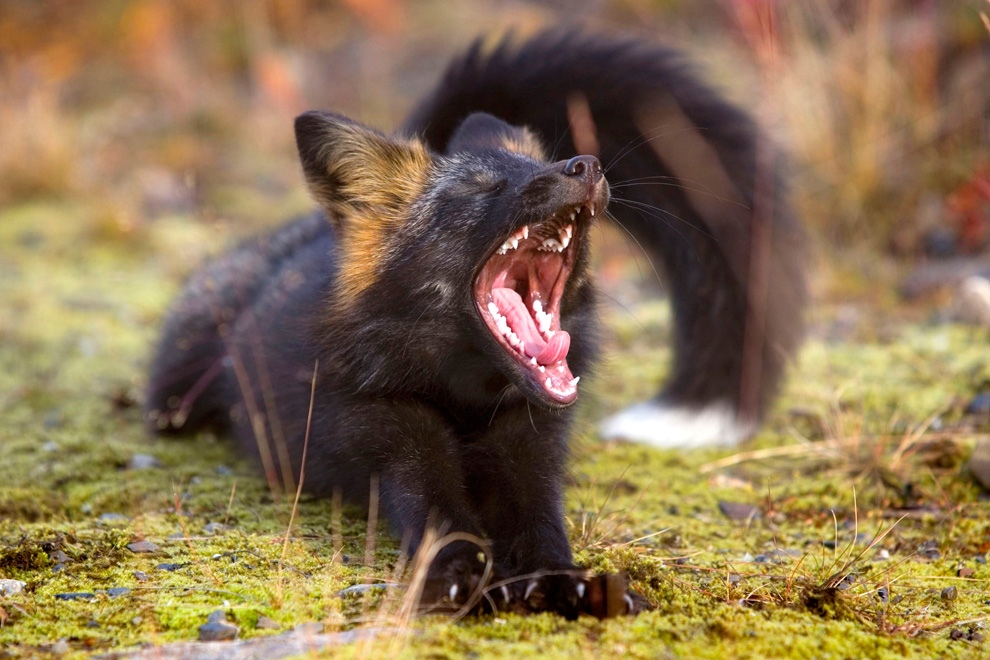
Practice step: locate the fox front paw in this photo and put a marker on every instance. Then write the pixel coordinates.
(568, 593)
(456, 582)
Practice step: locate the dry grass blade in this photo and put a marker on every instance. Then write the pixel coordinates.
(279, 581)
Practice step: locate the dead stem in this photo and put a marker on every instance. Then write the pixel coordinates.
(279, 582)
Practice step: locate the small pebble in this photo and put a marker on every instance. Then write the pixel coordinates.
(92, 623)
(143, 462)
(112, 518)
(58, 557)
(76, 595)
(223, 471)
(980, 405)
(965, 572)
(217, 628)
(113, 592)
(169, 567)
(214, 528)
(949, 594)
(217, 616)
(882, 595)
(979, 463)
(142, 546)
(929, 550)
(61, 647)
(11, 587)
(140, 576)
(738, 510)
(50, 447)
(734, 578)
(972, 303)
(882, 554)
(137, 621)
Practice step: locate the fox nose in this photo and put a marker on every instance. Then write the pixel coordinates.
(584, 166)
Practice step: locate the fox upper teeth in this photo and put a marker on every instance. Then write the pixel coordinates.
(513, 241)
(558, 244)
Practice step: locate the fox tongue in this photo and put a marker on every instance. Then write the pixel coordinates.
(555, 349)
(511, 305)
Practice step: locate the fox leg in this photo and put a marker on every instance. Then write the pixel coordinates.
(515, 473)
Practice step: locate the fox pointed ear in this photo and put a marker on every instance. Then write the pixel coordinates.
(353, 170)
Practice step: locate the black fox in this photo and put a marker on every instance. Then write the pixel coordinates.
(444, 292)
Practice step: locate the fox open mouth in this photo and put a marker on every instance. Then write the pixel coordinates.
(518, 294)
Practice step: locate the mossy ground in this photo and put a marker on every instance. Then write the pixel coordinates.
(865, 511)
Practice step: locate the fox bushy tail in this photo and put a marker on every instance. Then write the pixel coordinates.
(694, 182)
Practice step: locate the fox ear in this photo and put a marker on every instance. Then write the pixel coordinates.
(353, 170)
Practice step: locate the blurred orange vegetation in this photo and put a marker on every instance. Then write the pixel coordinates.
(140, 108)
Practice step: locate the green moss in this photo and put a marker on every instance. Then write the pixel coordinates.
(881, 418)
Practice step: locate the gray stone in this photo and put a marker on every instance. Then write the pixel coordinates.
(738, 510)
(973, 301)
(980, 405)
(113, 518)
(11, 587)
(143, 462)
(217, 628)
(142, 547)
(979, 463)
(217, 616)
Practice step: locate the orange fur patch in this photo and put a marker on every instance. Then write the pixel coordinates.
(370, 181)
(527, 145)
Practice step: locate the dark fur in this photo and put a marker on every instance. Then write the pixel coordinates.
(411, 388)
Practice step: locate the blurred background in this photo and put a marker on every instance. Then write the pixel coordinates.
(137, 111)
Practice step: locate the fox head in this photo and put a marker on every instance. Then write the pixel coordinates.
(478, 251)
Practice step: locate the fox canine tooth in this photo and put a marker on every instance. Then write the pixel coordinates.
(525, 232)
(574, 382)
